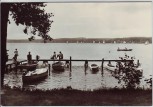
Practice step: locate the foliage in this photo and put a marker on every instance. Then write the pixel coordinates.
(149, 81)
(33, 16)
(128, 72)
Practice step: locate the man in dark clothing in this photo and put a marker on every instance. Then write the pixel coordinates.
(29, 58)
(60, 55)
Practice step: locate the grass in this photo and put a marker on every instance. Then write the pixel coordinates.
(71, 97)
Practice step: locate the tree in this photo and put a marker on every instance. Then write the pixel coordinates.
(128, 73)
(31, 15)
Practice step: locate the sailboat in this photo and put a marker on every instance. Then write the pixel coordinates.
(124, 42)
(147, 42)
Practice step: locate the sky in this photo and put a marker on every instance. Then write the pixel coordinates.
(95, 20)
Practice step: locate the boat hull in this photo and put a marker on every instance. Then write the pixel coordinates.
(35, 77)
(94, 67)
(58, 66)
(124, 49)
(28, 66)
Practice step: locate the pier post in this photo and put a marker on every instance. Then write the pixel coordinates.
(119, 63)
(86, 64)
(137, 62)
(102, 66)
(70, 64)
(49, 69)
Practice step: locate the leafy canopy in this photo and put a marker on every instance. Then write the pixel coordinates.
(33, 16)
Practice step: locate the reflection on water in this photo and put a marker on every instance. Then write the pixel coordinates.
(78, 78)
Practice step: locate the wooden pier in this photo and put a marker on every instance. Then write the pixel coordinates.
(11, 64)
(83, 60)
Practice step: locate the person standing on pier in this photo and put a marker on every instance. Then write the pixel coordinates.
(29, 58)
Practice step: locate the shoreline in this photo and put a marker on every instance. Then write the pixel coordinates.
(71, 97)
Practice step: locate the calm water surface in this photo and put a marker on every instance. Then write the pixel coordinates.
(78, 78)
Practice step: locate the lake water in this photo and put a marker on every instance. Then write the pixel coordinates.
(78, 78)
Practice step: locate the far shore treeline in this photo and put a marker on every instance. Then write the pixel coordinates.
(87, 40)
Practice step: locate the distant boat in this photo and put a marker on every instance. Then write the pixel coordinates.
(124, 49)
(124, 42)
(147, 42)
(114, 41)
(103, 41)
(35, 75)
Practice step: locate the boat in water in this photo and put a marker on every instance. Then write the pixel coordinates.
(124, 49)
(35, 75)
(58, 66)
(94, 67)
(110, 67)
(147, 42)
(28, 66)
(113, 68)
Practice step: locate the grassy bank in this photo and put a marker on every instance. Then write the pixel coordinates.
(101, 97)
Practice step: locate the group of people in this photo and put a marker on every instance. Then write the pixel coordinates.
(59, 56)
(29, 56)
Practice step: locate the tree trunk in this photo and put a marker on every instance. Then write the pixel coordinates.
(4, 19)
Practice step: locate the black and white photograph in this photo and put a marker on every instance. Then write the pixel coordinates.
(76, 53)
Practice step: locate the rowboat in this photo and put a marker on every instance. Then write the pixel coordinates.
(35, 75)
(124, 49)
(112, 68)
(28, 66)
(94, 67)
(58, 66)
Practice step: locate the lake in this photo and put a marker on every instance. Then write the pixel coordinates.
(78, 78)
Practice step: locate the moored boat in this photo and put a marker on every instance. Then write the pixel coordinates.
(94, 67)
(58, 66)
(35, 75)
(28, 66)
(110, 67)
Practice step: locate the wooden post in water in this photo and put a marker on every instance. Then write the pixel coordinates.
(137, 62)
(70, 64)
(49, 69)
(119, 63)
(86, 65)
(102, 66)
